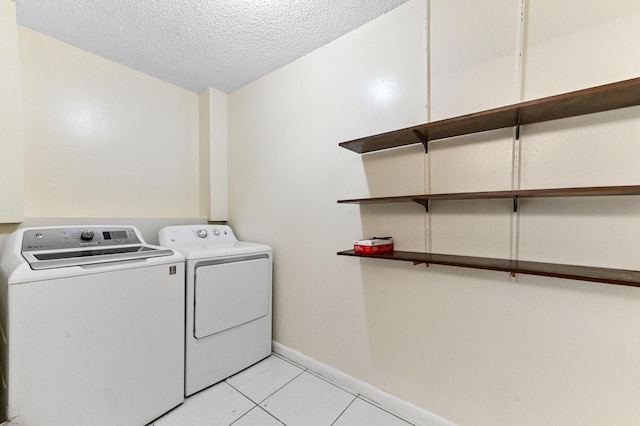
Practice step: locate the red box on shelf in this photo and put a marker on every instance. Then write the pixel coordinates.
(373, 245)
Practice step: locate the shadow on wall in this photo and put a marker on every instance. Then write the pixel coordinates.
(395, 171)
(5, 230)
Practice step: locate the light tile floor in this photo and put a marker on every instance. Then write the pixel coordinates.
(277, 392)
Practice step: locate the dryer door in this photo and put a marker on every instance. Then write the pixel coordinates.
(230, 292)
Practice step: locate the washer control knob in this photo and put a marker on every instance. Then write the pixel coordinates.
(216, 232)
(202, 233)
(86, 235)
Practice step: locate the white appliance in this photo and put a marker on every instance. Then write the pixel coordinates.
(228, 302)
(92, 327)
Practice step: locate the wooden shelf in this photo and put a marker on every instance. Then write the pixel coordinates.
(574, 272)
(597, 99)
(522, 193)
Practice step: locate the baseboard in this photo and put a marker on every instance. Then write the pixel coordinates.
(394, 404)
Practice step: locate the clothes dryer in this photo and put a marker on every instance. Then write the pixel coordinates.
(228, 301)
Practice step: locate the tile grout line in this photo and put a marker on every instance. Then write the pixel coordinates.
(403, 410)
(356, 396)
(238, 419)
(257, 404)
(343, 411)
(297, 372)
(280, 388)
(268, 396)
(277, 419)
(295, 364)
(313, 373)
(380, 407)
(259, 408)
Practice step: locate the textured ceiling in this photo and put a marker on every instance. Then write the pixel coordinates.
(195, 44)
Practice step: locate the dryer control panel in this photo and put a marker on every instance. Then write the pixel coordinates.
(197, 233)
(219, 232)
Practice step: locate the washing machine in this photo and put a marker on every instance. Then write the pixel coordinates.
(228, 302)
(92, 327)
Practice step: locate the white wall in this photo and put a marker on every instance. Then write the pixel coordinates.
(286, 173)
(102, 140)
(475, 347)
(11, 150)
(102, 143)
(213, 155)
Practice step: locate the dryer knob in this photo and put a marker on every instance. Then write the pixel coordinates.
(86, 235)
(202, 233)
(216, 232)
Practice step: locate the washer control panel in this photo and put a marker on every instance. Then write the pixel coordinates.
(78, 236)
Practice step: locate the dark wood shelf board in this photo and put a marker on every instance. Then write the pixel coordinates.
(574, 272)
(612, 96)
(590, 191)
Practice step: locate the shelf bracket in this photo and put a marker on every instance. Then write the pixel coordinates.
(418, 262)
(515, 204)
(424, 202)
(423, 140)
(512, 274)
